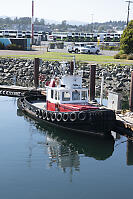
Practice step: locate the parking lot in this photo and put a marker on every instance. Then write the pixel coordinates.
(44, 47)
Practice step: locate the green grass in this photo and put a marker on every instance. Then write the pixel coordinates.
(52, 56)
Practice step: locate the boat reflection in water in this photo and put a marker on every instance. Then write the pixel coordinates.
(67, 150)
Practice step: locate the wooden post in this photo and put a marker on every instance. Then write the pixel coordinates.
(131, 94)
(102, 84)
(36, 72)
(92, 82)
(129, 152)
(71, 67)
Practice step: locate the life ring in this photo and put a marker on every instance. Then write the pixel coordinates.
(48, 116)
(58, 117)
(40, 114)
(23, 104)
(4, 92)
(82, 115)
(21, 100)
(65, 117)
(44, 115)
(53, 117)
(37, 113)
(7, 93)
(73, 116)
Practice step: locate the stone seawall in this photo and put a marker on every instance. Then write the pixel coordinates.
(20, 72)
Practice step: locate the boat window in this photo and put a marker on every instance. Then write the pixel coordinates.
(65, 96)
(52, 94)
(84, 95)
(58, 96)
(75, 95)
(55, 95)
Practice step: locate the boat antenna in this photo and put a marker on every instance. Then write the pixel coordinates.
(74, 63)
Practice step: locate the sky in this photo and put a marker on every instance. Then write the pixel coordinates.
(87, 11)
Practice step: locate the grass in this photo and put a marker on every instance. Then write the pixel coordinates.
(52, 56)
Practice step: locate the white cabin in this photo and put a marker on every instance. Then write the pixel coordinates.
(67, 91)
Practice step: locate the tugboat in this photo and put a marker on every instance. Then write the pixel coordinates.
(64, 104)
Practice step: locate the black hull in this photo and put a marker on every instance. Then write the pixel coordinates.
(94, 126)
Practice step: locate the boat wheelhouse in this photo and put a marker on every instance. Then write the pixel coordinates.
(67, 94)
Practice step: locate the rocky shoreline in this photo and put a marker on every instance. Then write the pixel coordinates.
(20, 72)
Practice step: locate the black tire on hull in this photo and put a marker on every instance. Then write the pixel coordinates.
(82, 115)
(37, 113)
(44, 115)
(73, 116)
(58, 117)
(40, 114)
(65, 117)
(48, 116)
(53, 117)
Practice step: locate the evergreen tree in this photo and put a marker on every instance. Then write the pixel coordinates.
(126, 42)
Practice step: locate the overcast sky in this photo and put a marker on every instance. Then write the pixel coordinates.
(77, 10)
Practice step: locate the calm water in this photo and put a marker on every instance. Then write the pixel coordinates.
(37, 162)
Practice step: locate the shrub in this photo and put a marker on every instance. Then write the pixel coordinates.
(121, 52)
(60, 45)
(130, 57)
(126, 42)
(52, 46)
(117, 56)
(14, 47)
(123, 56)
(2, 46)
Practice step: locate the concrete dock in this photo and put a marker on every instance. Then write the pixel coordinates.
(126, 119)
(18, 91)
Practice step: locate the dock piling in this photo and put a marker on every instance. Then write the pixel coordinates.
(36, 72)
(131, 94)
(92, 82)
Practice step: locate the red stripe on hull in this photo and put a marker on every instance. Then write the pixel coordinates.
(68, 107)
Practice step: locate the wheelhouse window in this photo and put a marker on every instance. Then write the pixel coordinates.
(84, 95)
(75, 95)
(55, 95)
(58, 96)
(65, 96)
(52, 94)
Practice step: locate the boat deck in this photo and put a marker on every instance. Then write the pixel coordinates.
(41, 105)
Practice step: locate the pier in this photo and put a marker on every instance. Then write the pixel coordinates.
(18, 91)
(125, 120)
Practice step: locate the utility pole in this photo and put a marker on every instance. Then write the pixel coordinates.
(92, 21)
(32, 23)
(129, 2)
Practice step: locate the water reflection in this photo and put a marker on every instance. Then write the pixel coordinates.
(129, 152)
(99, 149)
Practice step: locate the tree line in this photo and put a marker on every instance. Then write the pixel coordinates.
(24, 22)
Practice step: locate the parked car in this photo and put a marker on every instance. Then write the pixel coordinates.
(82, 48)
(90, 49)
(75, 47)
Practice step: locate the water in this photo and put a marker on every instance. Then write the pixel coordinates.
(37, 162)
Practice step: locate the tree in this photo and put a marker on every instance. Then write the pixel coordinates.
(126, 42)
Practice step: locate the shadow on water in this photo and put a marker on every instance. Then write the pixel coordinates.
(129, 152)
(64, 142)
